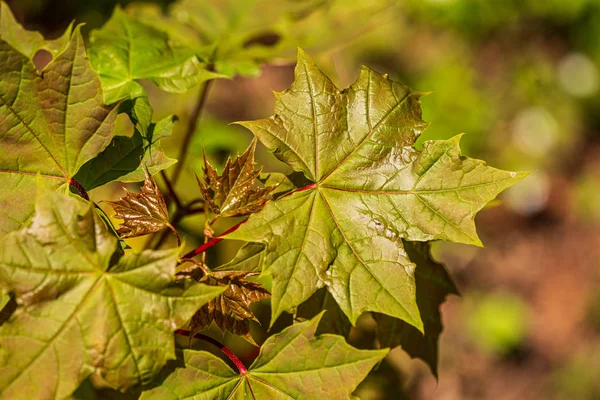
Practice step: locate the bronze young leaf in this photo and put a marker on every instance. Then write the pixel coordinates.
(234, 194)
(230, 310)
(142, 213)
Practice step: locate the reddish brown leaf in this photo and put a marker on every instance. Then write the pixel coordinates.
(230, 310)
(234, 193)
(142, 213)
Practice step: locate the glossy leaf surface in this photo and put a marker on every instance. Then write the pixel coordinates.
(142, 213)
(292, 364)
(50, 123)
(230, 310)
(82, 311)
(370, 189)
(234, 192)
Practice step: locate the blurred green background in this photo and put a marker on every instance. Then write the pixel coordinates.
(522, 79)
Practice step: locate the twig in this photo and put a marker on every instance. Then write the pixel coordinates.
(196, 263)
(191, 129)
(238, 363)
(195, 210)
(172, 194)
(172, 228)
(180, 213)
(207, 245)
(202, 248)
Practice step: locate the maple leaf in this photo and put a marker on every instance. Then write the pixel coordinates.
(369, 189)
(50, 124)
(233, 193)
(292, 364)
(248, 258)
(125, 50)
(230, 310)
(126, 157)
(433, 286)
(142, 213)
(81, 311)
(233, 29)
(240, 35)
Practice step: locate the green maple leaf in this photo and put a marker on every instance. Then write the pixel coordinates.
(28, 42)
(233, 193)
(248, 259)
(370, 189)
(80, 311)
(51, 123)
(433, 286)
(292, 364)
(236, 29)
(125, 157)
(126, 50)
(241, 34)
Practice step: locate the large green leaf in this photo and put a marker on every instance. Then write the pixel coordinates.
(293, 364)
(50, 123)
(370, 189)
(241, 34)
(125, 157)
(81, 311)
(236, 28)
(125, 50)
(433, 286)
(28, 42)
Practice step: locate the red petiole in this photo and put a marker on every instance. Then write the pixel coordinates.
(238, 363)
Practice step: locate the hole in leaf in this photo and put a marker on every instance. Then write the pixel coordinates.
(268, 39)
(41, 58)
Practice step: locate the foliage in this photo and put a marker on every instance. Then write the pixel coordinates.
(347, 233)
(83, 307)
(292, 364)
(50, 124)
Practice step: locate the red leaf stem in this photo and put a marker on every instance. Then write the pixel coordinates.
(238, 363)
(202, 248)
